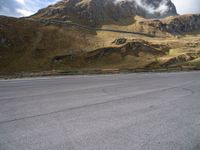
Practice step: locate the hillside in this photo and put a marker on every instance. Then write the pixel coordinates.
(29, 46)
(42, 43)
(99, 12)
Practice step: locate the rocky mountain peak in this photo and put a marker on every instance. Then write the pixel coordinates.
(97, 12)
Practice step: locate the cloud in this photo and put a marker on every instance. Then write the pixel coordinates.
(19, 8)
(24, 12)
(21, 1)
(183, 6)
(162, 8)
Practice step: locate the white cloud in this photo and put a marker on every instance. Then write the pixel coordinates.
(20, 8)
(24, 12)
(20, 1)
(162, 8)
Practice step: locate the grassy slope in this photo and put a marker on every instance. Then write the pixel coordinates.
(32, 47)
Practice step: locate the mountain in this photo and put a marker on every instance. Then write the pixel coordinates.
(174, 25)
(61, 38)
(98, 12)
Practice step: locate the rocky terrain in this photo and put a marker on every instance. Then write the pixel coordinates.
(98, 12)
(174, 24)
(87, 35)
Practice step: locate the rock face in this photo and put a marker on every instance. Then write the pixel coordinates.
(173, 25)
(116, 54)
(181, 24)
(97, 12)
(181, 59)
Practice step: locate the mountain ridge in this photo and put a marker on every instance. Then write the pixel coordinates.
(98, 12)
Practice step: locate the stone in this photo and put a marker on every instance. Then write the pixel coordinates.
(120, 41)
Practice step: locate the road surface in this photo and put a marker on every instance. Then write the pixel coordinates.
(65, 23)
(144, 111)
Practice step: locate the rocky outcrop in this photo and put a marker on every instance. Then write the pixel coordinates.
(173, 25)
(119, 41)
(130, 48)
(4, 41)
(181, 24)
(181, 59)
(116, 53)
(97, 12)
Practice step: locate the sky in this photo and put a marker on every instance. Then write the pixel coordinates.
(187, 6)
(19, 8)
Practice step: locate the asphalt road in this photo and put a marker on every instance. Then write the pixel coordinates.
(159, 111)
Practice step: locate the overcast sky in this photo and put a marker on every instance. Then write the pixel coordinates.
(20, 8)
(187, 6)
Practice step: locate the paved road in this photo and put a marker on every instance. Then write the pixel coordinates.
(157, 111)
(59, 22)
